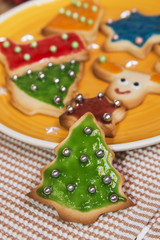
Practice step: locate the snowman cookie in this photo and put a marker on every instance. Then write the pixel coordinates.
(128, 86)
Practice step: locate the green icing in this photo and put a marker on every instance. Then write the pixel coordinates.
(46, 88)
(82, 175)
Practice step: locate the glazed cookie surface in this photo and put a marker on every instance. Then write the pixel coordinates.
(18, 58)
(46, 91)
(81, 17)
(107, 113)
(81, 182)
(136, 34)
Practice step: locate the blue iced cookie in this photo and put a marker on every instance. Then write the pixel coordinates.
(135, 33)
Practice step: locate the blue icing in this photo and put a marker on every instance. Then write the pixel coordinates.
(136, 25)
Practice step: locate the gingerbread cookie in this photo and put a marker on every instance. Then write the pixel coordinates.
(81, 17)
(106, 112)
(136, 34)
(130, 87)
(18, 58)
(81, 182)
(46, 91)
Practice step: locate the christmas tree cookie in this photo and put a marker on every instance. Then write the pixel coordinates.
(107, 113)
(81, 17)
(136, 34)
(18, 58)
(46, 91)
(81, 182)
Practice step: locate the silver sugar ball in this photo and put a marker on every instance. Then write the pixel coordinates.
(114, 198)
(55, 173)
(66, 152)
(92, 189)
(88, 130)
(63, 89)
(117, 103)
(47, 190)
(70, 109)
(100, 153)
(56, 80)
(41, 75)
(50, 64)
(57, 99)
(73, 61)
(29, 71)
(79, 97)
(33, 87)
(83, 158)
(107, 179)
(100, 95)
(15, 77)
(71, 73)
(70, 187)
(62, 67)
(107, 117)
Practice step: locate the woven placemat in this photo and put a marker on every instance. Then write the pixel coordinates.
(23, 218)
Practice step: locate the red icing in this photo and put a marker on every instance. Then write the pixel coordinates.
(119, 92)
(97, 106)
(42, 51)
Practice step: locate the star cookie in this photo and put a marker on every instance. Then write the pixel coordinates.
(18, 58)
(136, 34)
(81, 182)
(81, 17)
(107, 113)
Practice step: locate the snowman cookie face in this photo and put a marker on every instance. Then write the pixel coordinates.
(130, 87)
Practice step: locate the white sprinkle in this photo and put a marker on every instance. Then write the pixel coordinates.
(93, 46)
(52, 130)
(3, 91)
(125, 14)
(2, 39)
(27, 37)
(131, 63)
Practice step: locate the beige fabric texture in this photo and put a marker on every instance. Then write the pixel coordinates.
(23, 218)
